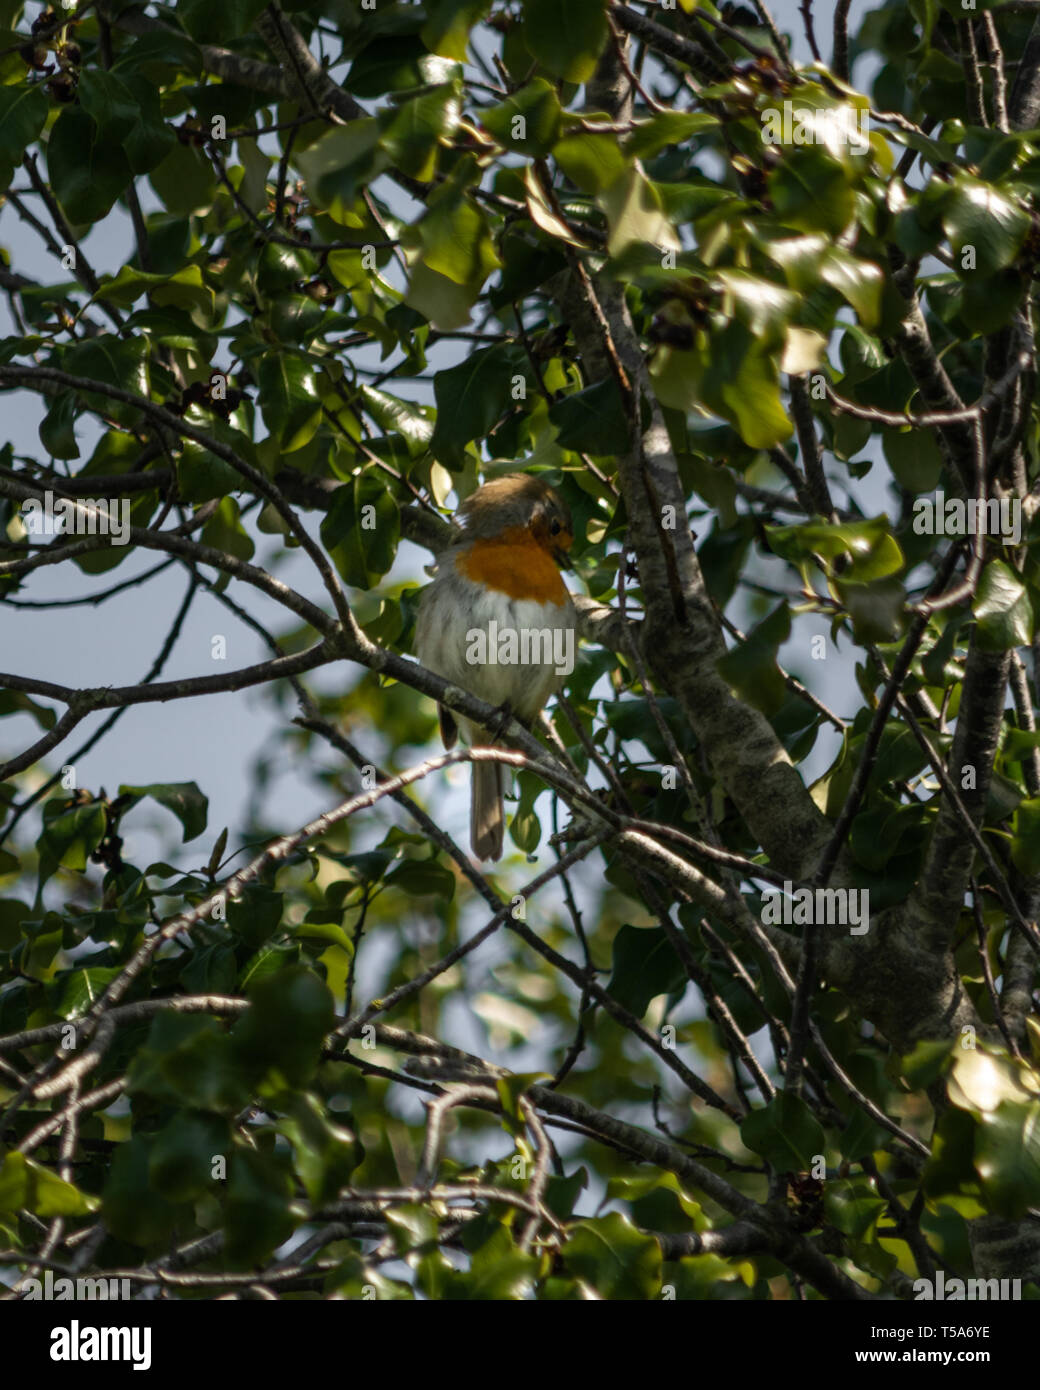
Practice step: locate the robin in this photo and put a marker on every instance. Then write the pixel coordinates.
(498, 621)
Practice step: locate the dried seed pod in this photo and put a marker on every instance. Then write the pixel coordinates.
(62, 86)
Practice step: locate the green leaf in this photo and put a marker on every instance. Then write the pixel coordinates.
(785, 1133)
(499, 1272)
(224, 531)
(69, 837)
(926, 1062)
(592, 421)
(1025, 842)
(690, 200)
(391, 64)
(764, 307)
(1002, 609)
(751, 669)
(636, 215)
(131, 1209)
(456, 242)
(201, 476)
(322, 923)
(811, 191)
(184, 799)
(286, 1026)
(898, 759)
(361, 530)
(853, 1206)
(449, 25)
(809, 260)
(27, 1186)
(1007, 1157)
(914, 457)
(57, 428)
(155, 56)
(423, 878)
(416, 130)
(288, 399)
(72, 992)
(211, 970)
(256, 915)
(592, 162)
(1002, 798)
(991, 301)
(525, 830)
(402, 417)
(667, 128)
(188, 1061)
(439, 299)
(569, 48)
(325, 1153)
(44, 936)
(861, 1136)
(978, 216)
(281, 267)
(259, 1206)
(210, 23)
(412, 1227)
(114, 362)
(513, 1087)
(473, 396)
(529, 121)
(295, 318)
(563, 1192)
(269, 962)
(1018, 744)
(353, 1278)
(741, 383)
(171, 328)
(645, 965)
(861, 353)
(657, 1201)
(981, 1080)
(15, 702)
(344, 159)
(23, 113)
(185, 289)
(858, 282)
(613, 1258)
(705, 1278)
(110, 102)
(361, 868)
(184, 180)
(87, 171)
(456, 256)
(180, 1164)
(871, 549)
(876, 608)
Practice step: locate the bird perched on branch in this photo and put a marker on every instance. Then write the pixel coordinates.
(498, 621)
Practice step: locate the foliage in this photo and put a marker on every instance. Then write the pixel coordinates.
(718, 297)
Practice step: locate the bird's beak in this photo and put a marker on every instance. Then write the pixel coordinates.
(562, 558)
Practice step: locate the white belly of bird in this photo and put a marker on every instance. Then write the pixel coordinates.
(515, 650)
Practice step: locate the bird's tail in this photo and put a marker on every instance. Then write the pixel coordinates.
(487, 827)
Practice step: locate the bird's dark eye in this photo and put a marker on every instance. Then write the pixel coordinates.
(555, 529)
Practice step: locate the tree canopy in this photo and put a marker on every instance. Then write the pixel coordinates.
(730, 1021)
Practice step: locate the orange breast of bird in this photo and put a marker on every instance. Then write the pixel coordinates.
(514, 564)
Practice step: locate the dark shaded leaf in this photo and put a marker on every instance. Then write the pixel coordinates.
(645, 965)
